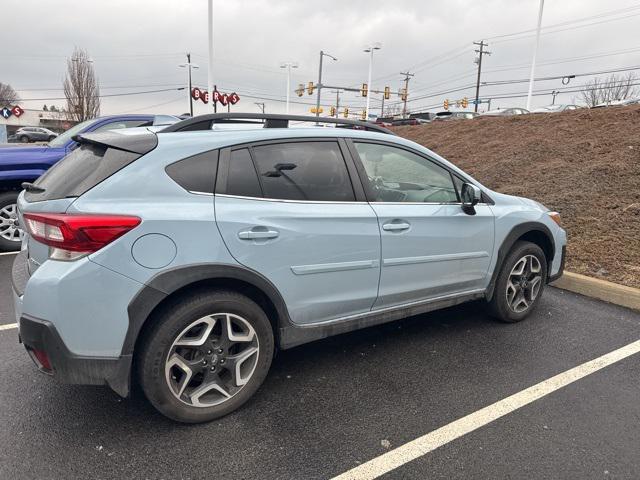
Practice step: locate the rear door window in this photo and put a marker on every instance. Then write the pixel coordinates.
(80, 171)
(313, 171)
(243, 179)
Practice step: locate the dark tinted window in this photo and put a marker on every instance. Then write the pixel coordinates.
(303, 171)
(242, 179)
(195, 174)
(80, 171)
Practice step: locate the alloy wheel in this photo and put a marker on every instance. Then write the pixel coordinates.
(212, 359)
(524, 283)
(8, 223)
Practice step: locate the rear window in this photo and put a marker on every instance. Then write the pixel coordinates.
(80, 171)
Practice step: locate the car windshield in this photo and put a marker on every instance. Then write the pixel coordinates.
(63, 138)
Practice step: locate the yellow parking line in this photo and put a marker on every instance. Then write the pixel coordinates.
(427, 443)
(9, 253)
(8, 326)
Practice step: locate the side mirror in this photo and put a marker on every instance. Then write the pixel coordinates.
(471, 195)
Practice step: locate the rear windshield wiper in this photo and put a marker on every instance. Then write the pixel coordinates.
(30, 187)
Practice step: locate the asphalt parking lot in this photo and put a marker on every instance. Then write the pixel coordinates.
(331, 405)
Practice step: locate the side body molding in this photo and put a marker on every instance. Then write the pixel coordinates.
(514, 234)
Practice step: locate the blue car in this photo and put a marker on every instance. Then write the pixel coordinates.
(25, 164)
(181, 260)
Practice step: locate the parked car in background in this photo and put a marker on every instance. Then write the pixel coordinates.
(423, 117)
(456, 115)
(404, 121)
(618, 103)
(505, 112)
(25, 164)
(316, 232)
(35, 134)
(555, 108)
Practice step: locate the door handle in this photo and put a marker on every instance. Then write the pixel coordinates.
(394, 227)
(257, 234)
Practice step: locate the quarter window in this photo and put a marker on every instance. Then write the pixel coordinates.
(397, 175)
(195, 174)
(303, 171)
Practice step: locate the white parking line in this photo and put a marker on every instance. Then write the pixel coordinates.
(8, 253)
(427, 443)
(8, 326)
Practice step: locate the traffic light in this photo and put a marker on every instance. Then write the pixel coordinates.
(332, 111)
(316, 110)
(403, 94)
(310, 88)
(465, 102)
(363, 115)
(345, 114)
(387, 93)
(364, 90)
(300, 90)
(446, 104)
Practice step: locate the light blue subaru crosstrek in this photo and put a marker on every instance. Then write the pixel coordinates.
(181, 260)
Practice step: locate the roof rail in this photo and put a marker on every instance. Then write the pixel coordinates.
(270, 120)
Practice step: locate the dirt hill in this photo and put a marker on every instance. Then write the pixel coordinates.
(585, 164)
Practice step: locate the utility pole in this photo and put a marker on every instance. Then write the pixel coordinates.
(382, 107)
(535, 53)
(407, 77)
(189, 66)
(260, 105)
(337, 92)
(481, 51)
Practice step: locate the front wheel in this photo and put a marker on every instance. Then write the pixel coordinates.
(520, 283)
(9, 231)
(205, 355)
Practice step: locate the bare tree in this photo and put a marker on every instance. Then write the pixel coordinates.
(615, 87)
(81, 87)
(8, 96)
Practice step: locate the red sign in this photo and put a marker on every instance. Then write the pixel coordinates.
(17, 111)
(222, 98)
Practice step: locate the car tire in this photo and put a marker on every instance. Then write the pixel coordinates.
(520, 283)
(24, 139)
(9, 233)
(173, 370)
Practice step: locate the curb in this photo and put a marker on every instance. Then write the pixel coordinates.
(601, 289)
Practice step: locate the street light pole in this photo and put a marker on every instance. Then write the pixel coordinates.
(535, 53)
(370, 49)
(189, 66)
(319, 86)
(210, 66)
(289, 66)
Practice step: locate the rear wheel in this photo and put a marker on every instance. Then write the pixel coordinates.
(24, 139)
(520, 283)
(205, 356)
(9, 231)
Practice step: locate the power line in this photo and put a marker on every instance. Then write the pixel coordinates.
(108, 95)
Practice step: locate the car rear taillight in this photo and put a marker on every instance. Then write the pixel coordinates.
(41, 359)
(71, 236)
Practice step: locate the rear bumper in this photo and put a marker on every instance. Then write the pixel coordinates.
(67, 367)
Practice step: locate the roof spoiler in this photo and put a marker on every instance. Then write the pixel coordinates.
(140, 143)
(206, 122)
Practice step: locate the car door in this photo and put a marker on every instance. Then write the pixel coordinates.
(430, 246)
(290, 211)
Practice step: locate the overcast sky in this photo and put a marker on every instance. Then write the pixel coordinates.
(137, 46)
